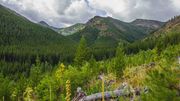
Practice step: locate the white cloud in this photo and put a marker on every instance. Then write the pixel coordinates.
(68, 12)
(129, 10)
(112, 7)
(55, 12)
(176, 4)
(79, 11)
(33, 9)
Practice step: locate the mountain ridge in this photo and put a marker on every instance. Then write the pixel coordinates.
(119, 29)
(103, 34)
(168, 34)
(43, 23)
(146, 24)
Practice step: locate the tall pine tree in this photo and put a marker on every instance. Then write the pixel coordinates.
(81, 52)
(119, 60)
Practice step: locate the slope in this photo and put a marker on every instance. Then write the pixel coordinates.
(21, 39)
(149, 25)
(72, 29)
(104, 33)
(169, 34)
(43, 23)
(109, 27)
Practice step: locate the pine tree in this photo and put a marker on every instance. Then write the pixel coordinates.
(119, 60)
(35, 72)
(81, 52)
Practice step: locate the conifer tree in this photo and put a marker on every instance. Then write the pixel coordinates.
(81, 52)
(119, 60)
(35, 73)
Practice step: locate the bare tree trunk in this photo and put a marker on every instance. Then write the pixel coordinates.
(107, 95)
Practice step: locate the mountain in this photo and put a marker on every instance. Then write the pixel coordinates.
(107, 27)
(64, 31)
(117, 30)
(36, 62)
(168, 34)
(72, 29)
(21, 40)
(172, 26)
(104, 33)
(109, 31)
(149, 25)
(43, 23)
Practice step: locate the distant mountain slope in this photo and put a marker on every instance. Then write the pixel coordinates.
(99, 28)
(104, 33)
(118, 30)
(43, 23)
(168, 34)
(149, 25)
(72, 29)
(172, 25)
(19, 36)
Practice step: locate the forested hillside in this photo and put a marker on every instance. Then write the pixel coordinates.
(107, 59)
(22, 41)
(104, 33)
(163, 37)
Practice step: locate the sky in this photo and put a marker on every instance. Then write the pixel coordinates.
(63, 13)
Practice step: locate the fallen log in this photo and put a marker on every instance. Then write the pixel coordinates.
(123, 91)
(107, 95)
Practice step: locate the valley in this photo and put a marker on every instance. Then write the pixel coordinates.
(136, 61)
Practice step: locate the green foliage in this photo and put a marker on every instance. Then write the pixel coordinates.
(35, 73)
(46, 89)
(51, 85)
(162, 83)
(6, 87)
(21, 41)
(104, 33)
(81, 52)
(160, 42)
(119, 60)
(24, 76)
